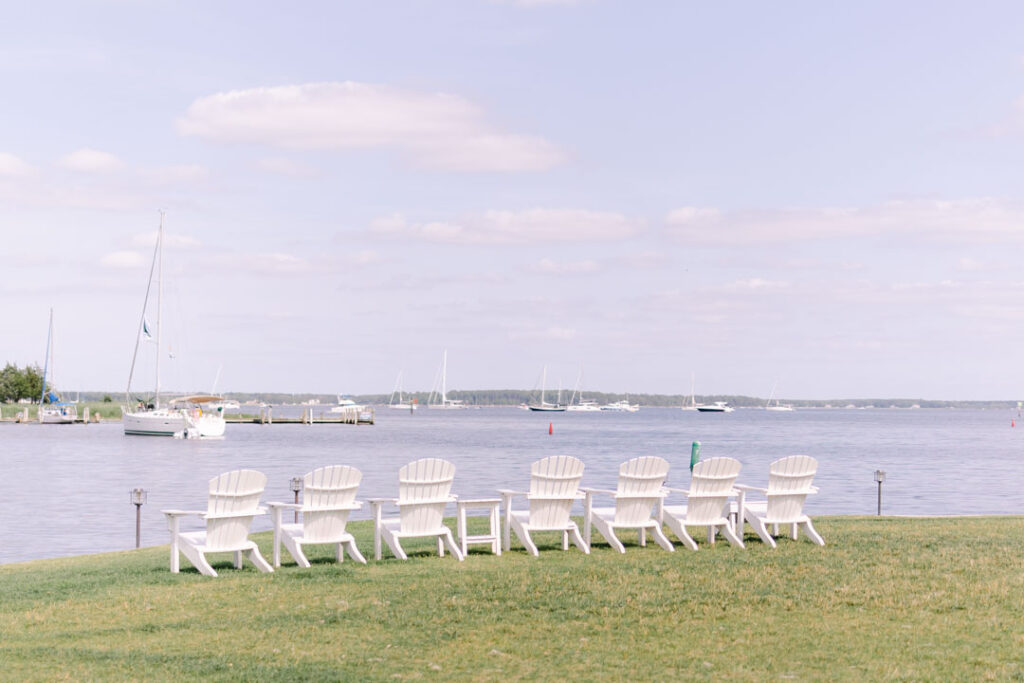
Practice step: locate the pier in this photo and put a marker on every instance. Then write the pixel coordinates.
(350, 416)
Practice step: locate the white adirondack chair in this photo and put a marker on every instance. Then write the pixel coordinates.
(789, 484)
(424, 489)
(554, 486)
(233, 502)
(707, 502)
(640, 489)
(328, 497)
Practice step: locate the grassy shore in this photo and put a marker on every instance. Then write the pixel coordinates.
(903, 599)
(106, 411)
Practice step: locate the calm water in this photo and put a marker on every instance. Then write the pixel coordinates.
(66, 487)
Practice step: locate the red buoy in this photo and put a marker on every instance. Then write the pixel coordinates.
(551, 427)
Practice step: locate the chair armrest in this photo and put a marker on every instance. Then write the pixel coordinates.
(744, 487)
(813, 489)
(381, 501)
(593, 490)
(231, 515)
(286, 506)
(183, 513)
(510, 492)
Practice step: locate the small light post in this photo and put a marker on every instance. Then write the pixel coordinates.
(879, 477)
(138, 498)
(295, 484)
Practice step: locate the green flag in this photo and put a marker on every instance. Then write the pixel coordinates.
(694, 454)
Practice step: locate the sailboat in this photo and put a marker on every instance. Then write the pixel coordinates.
(776, 407)
(181, 418)
(582, 405)
(51, 409)
(439, 399)
(692, 405)
(402, 403)
(544, 406)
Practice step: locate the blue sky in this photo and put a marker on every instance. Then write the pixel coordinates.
(823, 197)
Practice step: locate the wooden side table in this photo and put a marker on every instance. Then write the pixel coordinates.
(493, 505)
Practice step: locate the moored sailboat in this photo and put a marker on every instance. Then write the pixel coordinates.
(51, 409)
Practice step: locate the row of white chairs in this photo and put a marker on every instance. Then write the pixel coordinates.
(714, 501)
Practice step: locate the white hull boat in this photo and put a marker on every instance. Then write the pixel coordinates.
(718, 407)
(439, 399)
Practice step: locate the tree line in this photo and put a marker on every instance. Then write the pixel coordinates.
(18, 383)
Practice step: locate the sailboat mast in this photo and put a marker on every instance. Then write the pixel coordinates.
(142, 320)
(444, 378)
(159, 304)
(46, 359)
(543, 381)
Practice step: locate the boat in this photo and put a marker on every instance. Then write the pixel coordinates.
(181, 418)
(544, 406)
(344, 405)
(439, 399)
(716, 407)
(623, 406)
(582, 405)
(52, 410)
(402, 403)
(776, 407)
(692, 405)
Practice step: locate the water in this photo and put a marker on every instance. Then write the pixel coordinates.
(66, 488)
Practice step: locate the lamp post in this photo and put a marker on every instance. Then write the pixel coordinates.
(879, 477)
(138, 498)
(295, 484)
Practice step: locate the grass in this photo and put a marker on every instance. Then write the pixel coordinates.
(900, 599)
(106, 411)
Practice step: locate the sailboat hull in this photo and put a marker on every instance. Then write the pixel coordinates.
(174, 423)
(548, 409)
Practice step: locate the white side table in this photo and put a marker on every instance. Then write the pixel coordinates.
(493, 505)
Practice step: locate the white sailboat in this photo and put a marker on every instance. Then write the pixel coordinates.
(439, 399)
(716, 407)
(51, 409)
(544, 406)
(623, 406)
(692, 405)
(581, 405)
(402, 403)
(184, 417)
(776, 407)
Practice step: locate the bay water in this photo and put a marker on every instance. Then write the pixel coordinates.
(66, 488)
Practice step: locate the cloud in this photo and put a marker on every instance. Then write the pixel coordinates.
(13, 167)
(87, 160)
(172, 240)
(971, 220)
(124, 259)
(549, 267)
(437, 129)
(532, 226)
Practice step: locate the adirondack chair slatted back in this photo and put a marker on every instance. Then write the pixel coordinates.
(640, 483)
(554, 485)
(324, 490)
(710, 485)
(424, 488)
(789, 482)
(234, 501)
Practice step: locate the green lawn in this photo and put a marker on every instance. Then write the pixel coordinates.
(903, 599)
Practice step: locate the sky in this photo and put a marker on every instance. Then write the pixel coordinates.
(820, 197)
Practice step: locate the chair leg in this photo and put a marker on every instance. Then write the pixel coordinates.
(608, 532)
(257, 559)
(238, 559)
(295, 550)
(792, 531)
(811, 533)
(440, 547)
(396, 547)
(565, 540)
(524, 537)
(643, 537)
(450, 542)
(661, 539)
(353, 551)
(761, 530)
(578, 540)
(730, 535)
(680, 531)
(197, 559)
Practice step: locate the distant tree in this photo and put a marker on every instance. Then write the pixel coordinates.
(107, 398)
(16, 384)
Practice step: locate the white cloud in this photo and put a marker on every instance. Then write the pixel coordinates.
(971, 220)
(549, 267)
(124, 259)
(437, 129)
(12, 166)
(274, 263)
(532, 226)
(88, 160)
